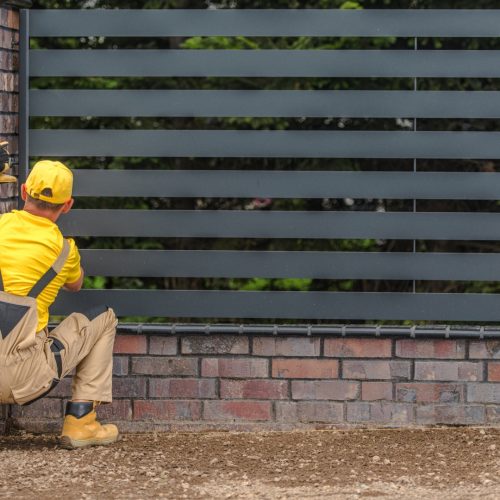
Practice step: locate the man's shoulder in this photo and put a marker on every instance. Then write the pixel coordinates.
(4, 218)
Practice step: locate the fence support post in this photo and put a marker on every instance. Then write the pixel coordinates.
(9, 113)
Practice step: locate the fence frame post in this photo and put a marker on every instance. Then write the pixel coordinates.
(9, 115)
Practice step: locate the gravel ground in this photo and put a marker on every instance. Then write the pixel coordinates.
(458, 463)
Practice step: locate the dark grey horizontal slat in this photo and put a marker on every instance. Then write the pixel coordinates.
(266, 63)
(281, 224)
(287, 184)
(319, 265)
(293, 305)
(266, 103)
(268, 22)
(277, 144)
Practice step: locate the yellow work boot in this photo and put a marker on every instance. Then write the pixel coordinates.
(81, 428)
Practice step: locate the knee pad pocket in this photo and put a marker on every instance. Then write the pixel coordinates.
(95, 311)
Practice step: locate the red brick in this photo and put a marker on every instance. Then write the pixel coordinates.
(483, 393)
(12, 19)
(308, 412)
(9, 60)
(62, 389)
(253, 389)
(286, 411)
(9, 103)
(286, 346)
(394, 370)
(8, 190)
(165, 346)
(165, 366)
(493, 414)
(9, 82)
(237, 410)
(234, 367)
(494, 372)
(130, 344)
(43, 408)
(129, 387)
(305, 368)
(120, 365)
(9, 123)
(380, 412)
(434, 348)
(426, 392)
(119, 409)
(215, 344)
(325, 389)
(9, 39)
(484, 349)
(373, 391)
(448, 370)
(182, 388)
(358, 348)
(167, 410)
(7, 206)
(450, 414)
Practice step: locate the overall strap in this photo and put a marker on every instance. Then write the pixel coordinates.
(51, 273)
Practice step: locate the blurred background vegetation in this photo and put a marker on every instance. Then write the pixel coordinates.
(330, 123)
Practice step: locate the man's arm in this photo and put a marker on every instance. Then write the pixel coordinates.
(76, 285)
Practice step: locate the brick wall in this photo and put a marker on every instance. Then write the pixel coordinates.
(242, 382)
(9, 108)
(9, 97)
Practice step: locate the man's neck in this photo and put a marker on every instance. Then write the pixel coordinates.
(47, 214)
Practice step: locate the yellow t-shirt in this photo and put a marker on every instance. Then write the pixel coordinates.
(29, 245)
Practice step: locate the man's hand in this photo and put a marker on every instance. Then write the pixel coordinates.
(76, 285)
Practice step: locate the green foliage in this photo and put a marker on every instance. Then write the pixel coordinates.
(219, 42)
(252, 123)
(255, 284)
(351, 5)
(94, 282)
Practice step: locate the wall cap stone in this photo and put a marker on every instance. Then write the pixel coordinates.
(22, 4)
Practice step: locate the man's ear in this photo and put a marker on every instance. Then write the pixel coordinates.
(67, 206)
(23, 192)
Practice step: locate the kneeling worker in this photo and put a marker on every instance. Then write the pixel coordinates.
(35, 262)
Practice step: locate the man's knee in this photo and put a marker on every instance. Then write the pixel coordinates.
(95, 311)
(102, 317)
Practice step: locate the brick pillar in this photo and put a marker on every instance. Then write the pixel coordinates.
(9, 110)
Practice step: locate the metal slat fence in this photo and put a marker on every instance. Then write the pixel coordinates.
(274, 224)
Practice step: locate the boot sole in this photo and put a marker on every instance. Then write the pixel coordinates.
(70, 444)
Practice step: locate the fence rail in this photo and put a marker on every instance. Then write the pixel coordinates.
(265, 143)
(282, 224)
(288, 184)
(269, 22)
(293, 264)
(267, 103)
(267, 63)
(292, 305)
(179, 146)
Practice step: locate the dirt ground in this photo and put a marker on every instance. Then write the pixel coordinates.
(458, 463)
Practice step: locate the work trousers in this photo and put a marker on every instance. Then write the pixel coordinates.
(86, 346)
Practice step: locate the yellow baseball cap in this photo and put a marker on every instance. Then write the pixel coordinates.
(50, 181)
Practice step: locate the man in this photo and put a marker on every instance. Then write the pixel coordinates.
(35, 263)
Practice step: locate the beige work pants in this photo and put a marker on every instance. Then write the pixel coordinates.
(88, 348)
